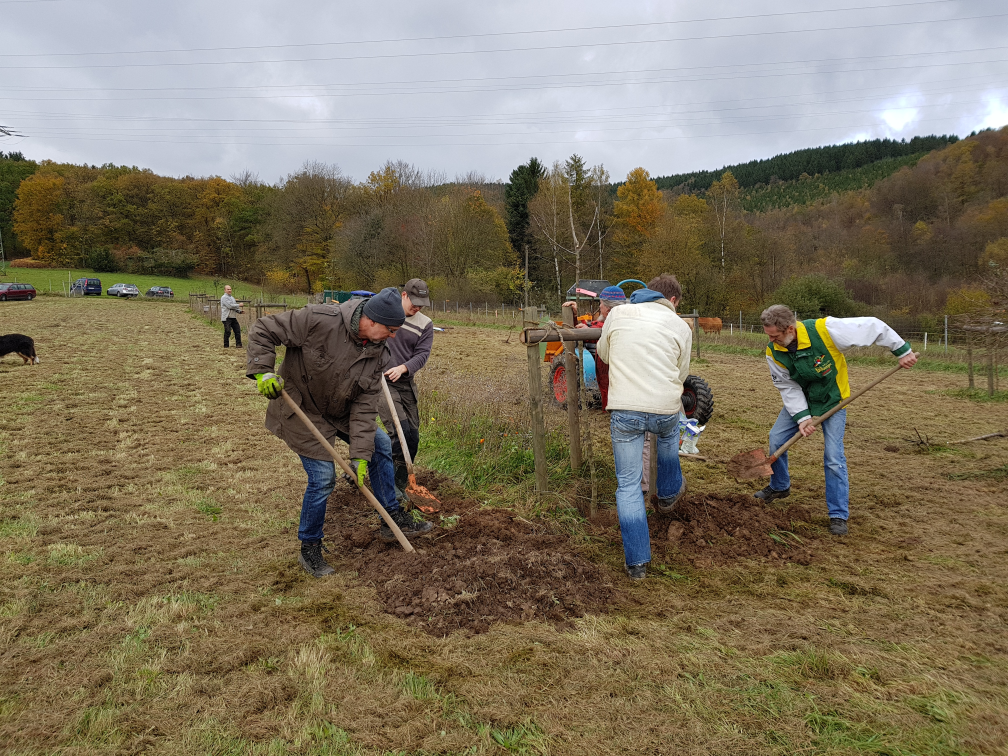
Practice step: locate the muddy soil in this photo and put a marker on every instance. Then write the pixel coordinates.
(486, 566)
(714, 529)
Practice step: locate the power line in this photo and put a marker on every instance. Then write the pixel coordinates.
(526, 143)
(413, 82)
(483, 35)
(678, 118)
(451, 53)
(539, 116)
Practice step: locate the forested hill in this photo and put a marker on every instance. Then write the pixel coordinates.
(816, 160)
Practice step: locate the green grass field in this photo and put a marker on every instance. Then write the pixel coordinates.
(55, 280)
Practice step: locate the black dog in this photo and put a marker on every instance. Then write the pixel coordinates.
(22, 346)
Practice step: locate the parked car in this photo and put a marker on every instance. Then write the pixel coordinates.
(16, 291)
(123, 290)
(159, 291)
(84, 287)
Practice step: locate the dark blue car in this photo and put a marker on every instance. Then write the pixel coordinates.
(86, 287)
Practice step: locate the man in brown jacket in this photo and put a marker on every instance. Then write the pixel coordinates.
(335, 357)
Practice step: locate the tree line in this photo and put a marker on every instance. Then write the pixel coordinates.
(903, 245)
(791, 166)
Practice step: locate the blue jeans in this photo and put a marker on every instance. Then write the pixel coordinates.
(322, 480)
(627, 429)
(834, 460)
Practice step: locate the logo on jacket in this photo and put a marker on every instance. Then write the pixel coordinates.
(822, 364)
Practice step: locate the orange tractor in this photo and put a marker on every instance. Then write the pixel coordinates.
(697, 397)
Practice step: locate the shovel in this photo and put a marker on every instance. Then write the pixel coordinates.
(756, 464)
(407, 546)
(416, 492)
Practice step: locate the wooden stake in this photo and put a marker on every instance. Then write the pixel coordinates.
(990, 361)
(969, 356)
(536, 409)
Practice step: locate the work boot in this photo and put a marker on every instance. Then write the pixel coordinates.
(769, 494)
(637, 572)
(667, 506)
(312, 561)
(837, 526)
(410, 523)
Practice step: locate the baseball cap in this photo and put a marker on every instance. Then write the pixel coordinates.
(416, 290)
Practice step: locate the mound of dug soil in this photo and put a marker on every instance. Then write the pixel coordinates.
(481, 566)
(714, 529)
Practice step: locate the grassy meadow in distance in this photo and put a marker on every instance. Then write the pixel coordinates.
(151, 600)
(55, 280)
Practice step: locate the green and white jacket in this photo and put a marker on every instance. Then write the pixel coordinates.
(811, 372)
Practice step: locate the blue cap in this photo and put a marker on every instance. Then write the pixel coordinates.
(385, 307)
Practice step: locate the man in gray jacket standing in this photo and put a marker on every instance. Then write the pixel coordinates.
(229, 308)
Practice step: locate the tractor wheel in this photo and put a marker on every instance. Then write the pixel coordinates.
(558, 382)
(697, 400)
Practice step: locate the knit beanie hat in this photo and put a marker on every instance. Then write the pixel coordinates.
(385, 307)
(612, 294)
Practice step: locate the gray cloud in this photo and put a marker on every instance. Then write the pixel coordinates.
(200, 88)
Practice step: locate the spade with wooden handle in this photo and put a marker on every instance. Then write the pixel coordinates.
(756, 464)
(414, 489)
(407, 546)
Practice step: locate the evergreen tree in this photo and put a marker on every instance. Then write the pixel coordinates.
(522, 185)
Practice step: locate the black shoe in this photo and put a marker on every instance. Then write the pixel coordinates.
(410, 523)
(637, 572)
(769, 494)
(667, 506)
(312, 561)
(837, 526)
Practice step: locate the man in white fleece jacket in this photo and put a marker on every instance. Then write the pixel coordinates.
(647, 346)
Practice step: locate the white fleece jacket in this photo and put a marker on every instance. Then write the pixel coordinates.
(647, 347)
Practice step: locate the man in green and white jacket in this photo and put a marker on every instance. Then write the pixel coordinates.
(809, 369)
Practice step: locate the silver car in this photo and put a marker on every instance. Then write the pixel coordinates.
(123, 290)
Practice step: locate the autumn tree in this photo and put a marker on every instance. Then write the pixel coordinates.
(638, 209)
(38, 218)
(307, 214)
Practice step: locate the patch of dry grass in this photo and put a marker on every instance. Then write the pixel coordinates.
(150, 597)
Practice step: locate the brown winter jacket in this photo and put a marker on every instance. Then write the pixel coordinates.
(332, 376)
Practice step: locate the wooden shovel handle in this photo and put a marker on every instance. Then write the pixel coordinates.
(407, 546)
(398, 426)
(827, 415)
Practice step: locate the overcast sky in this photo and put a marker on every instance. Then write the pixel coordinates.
(217, 88)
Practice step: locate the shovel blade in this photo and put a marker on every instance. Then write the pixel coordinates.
(424, 500)
(749, 465)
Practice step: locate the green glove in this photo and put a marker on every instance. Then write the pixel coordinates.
(269, 384)
(361, 470)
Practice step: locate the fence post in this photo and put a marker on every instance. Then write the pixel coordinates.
(925, 341)
(696, 327)
(990, 360)
(946, 334)
(969, 356)
(536, 409)
(571, 371)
